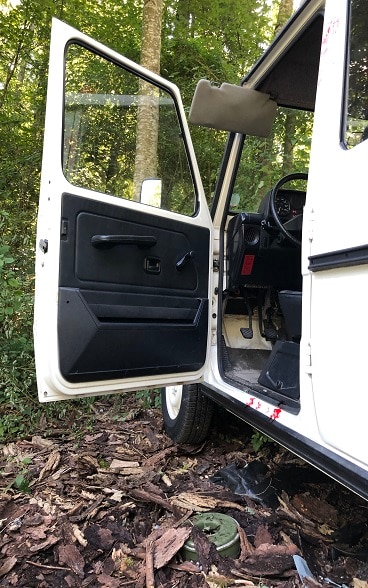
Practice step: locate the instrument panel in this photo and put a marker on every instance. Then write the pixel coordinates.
(289, 203)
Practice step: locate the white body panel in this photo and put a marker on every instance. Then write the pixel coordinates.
(338, 198)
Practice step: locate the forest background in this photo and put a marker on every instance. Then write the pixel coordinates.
(218, 40)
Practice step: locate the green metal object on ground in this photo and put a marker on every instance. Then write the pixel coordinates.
(221, 530)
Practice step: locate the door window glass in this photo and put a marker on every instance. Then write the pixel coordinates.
(122, 135)
(357, 83)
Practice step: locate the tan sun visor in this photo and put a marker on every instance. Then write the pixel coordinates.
(232, 108)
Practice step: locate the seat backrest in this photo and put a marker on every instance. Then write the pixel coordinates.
(291, 306)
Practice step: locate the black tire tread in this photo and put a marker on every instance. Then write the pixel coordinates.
(193, 422)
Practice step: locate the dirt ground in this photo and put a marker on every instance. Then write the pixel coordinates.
(108, 502)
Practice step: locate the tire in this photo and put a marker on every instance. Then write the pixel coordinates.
(187, 413)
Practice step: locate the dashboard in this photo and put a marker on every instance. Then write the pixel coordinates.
(289, 204)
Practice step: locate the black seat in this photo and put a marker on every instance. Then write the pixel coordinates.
(291, 306)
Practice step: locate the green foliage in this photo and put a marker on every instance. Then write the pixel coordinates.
(22, 480)
(217, 40)
(149, 398)
(10, 293)
(258, 440)
(265, 161)
(17, 374)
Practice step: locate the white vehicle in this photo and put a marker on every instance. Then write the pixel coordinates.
(260, 310)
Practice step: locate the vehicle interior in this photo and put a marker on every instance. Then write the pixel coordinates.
(262, 297)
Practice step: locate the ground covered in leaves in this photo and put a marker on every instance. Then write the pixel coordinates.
(108, 500)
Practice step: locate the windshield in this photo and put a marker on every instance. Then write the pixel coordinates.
(264, 161)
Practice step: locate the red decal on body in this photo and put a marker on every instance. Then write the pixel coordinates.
(330, 30)
(250, 402)
(247, 267)
(276, 413)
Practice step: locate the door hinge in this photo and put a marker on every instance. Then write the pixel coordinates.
(311, 217)
(216, 265)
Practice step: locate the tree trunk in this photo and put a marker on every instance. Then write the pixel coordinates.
(148, 103)
(285, 11)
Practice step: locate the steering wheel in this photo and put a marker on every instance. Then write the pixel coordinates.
(294, 223)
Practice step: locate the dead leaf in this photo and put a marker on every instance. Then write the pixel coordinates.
(118, 496)
(270, 560)
(315, 509)
(206, 551)
(43, 504)
(246, 548)
(99, 537)
(42, 442)
(151, 497)
(37, 533)
(97, 437)
(8, 564)
(51, 540)
(166, 480)
(358, 583)
(10, 450)
(70, 555)
(88, 495)
(200, 503)
(119, 464)
(160, 456)
(107, 581)
(89, 512)
(326, 530)
(50, 466)
(125, 468)
(35, 520)
(262, 536)
(168, 545)
(271, 550)
(185, 566)
(79, 536)
(214, 579)
(90, 461)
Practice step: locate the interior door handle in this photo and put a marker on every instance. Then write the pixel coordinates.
(109, 241)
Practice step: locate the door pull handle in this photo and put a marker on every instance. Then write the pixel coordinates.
(109, 241)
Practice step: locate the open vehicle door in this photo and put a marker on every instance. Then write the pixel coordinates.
(124, 232)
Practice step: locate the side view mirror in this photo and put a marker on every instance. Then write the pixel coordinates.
(232, 108)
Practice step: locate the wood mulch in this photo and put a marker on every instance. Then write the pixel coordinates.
(107, 502)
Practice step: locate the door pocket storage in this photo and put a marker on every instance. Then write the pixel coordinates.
(151, 334)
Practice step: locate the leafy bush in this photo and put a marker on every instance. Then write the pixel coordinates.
(17, 374)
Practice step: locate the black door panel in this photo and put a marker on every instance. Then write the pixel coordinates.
(128, 310)
(82, 263)
(129, 263)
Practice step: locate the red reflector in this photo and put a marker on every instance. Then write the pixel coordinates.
(247, 265)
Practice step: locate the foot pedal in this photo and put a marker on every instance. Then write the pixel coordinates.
(270, 331)
(247, 332)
